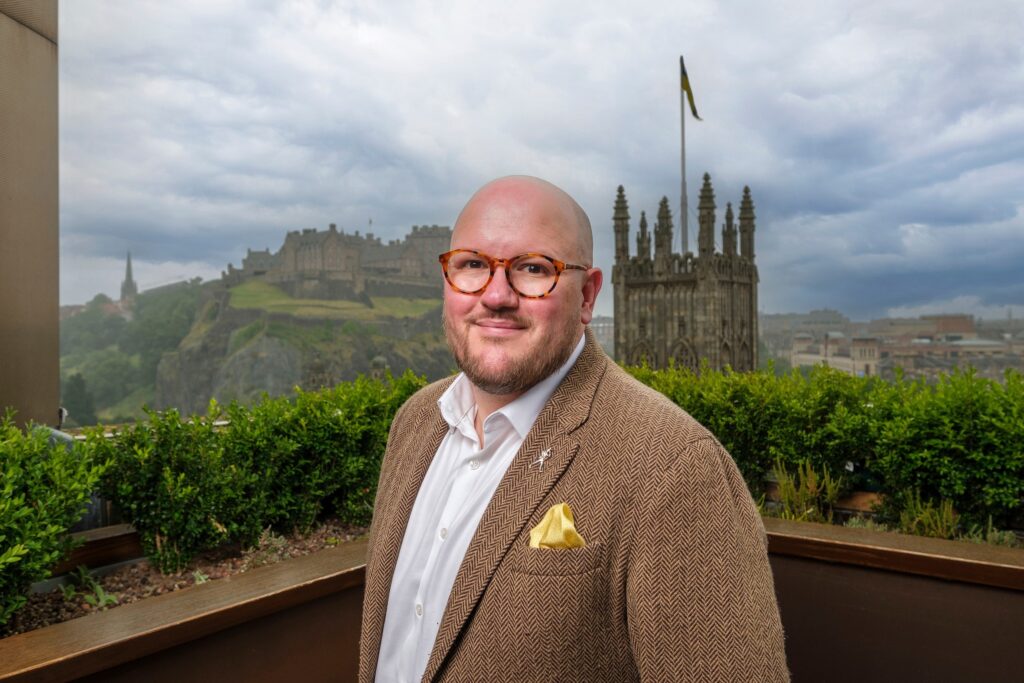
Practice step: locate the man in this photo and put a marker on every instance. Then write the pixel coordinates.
(664, 575)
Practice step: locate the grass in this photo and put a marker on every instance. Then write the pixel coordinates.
(263, 296)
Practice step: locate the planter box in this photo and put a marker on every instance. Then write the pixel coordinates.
(295, 620)
(856, 605)
(860, 605)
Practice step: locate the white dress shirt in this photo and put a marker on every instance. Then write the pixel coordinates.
(452, 498)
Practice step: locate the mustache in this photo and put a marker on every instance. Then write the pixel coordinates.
(504, 314)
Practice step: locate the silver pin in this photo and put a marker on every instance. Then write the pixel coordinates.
(539, 462)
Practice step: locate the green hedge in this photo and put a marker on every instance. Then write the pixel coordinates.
(44, 490)
(961, 439)
(188, 485)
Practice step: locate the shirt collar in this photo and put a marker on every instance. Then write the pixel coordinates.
(457, 405)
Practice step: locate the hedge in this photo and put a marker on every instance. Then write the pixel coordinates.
(188, 485)
(960, 439)
(44, 490)
(191, 485)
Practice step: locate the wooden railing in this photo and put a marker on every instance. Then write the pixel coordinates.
(856, 605)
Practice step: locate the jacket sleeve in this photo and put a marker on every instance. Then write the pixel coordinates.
(700, 598)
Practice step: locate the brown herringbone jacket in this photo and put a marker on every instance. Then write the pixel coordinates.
(673, 584)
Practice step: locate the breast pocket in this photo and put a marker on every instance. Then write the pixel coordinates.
(557, 561)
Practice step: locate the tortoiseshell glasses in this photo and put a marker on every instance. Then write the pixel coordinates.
(530, 275)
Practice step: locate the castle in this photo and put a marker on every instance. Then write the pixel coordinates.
(331, 264)
(685, 308)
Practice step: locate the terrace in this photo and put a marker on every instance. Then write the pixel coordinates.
(856, 604)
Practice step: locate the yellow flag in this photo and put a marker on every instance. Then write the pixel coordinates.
(687, 89)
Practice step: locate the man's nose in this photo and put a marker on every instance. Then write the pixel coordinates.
(499, 293)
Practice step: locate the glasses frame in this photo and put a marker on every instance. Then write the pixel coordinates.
(493, 263)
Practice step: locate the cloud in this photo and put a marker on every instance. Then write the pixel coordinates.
(883, 143)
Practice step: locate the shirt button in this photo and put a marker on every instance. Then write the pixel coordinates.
(443, 533)
(474, 465)
(419, 610)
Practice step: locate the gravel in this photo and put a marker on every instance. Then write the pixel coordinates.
(138, 581)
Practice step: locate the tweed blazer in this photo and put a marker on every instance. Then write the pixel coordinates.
(673, 583)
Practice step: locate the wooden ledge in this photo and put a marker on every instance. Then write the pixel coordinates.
(100, 641)
(953, 560)
(102, 546)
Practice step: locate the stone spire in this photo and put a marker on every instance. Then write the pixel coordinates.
(129, 290)
(663, 238)
(643, 239)
(706, 219)
(620, 219)
(729, 232)
(747, 225)
(663, 231)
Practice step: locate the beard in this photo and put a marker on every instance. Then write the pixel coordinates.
(516, 374)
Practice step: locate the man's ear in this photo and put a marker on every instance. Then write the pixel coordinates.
(591, 288)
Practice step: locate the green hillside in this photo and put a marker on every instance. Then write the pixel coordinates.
(266, 297)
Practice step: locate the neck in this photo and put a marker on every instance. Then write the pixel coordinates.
(486, 404)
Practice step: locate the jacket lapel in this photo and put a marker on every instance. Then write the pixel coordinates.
(395, 503)
(524, 486)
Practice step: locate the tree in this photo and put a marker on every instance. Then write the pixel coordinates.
(76, 398)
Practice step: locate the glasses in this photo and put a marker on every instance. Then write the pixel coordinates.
(530, 275)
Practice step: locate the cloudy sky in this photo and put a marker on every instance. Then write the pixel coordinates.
(883, 141)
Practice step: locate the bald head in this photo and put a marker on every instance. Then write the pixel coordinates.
(517, 201)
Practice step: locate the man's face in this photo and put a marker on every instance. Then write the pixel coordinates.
(506, 343)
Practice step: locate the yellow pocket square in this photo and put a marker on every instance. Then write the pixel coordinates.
(556, 530)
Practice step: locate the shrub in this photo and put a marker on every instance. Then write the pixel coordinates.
(960, 440)
(43, 491)
(171, 480)
(188, 486)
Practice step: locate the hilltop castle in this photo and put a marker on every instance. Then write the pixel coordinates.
(685, 307)
(331, 264)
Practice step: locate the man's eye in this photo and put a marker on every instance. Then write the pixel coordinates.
(474, 264)
(540, 269)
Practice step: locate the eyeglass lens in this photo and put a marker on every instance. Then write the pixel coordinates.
(528, 275)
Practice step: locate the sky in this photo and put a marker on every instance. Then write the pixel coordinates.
(883, 142)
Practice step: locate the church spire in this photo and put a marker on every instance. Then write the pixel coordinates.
(129, 290)
(706, 219)
(620, 219)
(729, 232)
(643, 239)
(747, 225)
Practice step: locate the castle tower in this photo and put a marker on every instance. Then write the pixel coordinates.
(620, 218)
(129, 290)
(728, 232)
(747, 225)
(706, 219)
(643, 239)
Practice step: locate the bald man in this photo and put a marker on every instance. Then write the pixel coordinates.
(542, 516)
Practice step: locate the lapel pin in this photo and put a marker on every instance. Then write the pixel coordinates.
(539, 462)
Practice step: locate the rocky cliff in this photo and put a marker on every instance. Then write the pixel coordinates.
(240, 353)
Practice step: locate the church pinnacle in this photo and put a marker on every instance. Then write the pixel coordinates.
(129, 290)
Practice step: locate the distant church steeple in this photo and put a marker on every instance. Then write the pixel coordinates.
(129, 290)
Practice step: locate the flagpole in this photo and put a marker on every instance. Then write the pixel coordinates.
(684, 207)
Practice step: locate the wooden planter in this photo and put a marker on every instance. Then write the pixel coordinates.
(296, 620)
(857, 605)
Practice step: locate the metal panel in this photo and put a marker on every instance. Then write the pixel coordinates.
(37, 15)
(29, 346)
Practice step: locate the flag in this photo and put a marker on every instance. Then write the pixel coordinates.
(687, 89)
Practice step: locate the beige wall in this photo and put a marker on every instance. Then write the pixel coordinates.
(29, 351)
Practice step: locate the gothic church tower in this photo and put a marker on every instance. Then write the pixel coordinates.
(686, 308)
